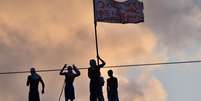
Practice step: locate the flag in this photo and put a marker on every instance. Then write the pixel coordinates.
(111, 11)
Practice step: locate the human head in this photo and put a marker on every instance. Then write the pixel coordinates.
(110, 73)
(33, 70)
(92, 63)
(69, 68)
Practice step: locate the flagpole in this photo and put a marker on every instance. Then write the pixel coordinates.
(95, 29)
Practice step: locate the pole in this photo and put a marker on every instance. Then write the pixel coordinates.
(95, 29)
(62, 91)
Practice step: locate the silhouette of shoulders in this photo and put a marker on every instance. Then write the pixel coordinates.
(112, 82)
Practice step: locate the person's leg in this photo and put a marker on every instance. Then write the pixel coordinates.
(34, 96)
(100, 93)
(93, 92)
(30, 96)
(93, 97)
(100, 96)
(65, 93)
(37, 97)
(109, 99)
(114, 98)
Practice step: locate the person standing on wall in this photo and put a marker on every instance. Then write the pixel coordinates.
(33, 82)
(94, 75)
(70, 75)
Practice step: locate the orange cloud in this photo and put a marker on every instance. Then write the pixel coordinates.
(48, 34)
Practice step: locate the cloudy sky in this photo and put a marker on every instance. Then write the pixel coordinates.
(47, 34)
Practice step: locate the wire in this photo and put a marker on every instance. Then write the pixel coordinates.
(113, 66)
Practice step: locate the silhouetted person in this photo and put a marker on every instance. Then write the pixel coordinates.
(94, 75)
(70, 75)
(33, 82)
(112, 86)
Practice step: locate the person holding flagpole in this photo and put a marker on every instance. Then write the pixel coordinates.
(94, 75)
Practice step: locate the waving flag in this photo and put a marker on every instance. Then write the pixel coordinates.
(111, 11)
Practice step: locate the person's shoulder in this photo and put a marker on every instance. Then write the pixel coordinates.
(29, 76)
(39, 76)
(89, 69)
(109, 79)
(114, 78)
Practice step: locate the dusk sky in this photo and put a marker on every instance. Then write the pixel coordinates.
(46, 34)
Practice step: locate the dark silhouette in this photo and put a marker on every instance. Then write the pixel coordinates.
(70, 76)
(33, 82)
(112, 86)
(94, 75)
(100, 89)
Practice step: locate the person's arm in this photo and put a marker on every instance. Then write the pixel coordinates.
(89, 73)
(62, 70)
(102, 62)
(43, 85)
(77, 72)
(28, 80)
(116, 83)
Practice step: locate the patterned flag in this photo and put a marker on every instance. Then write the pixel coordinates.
(111, 11)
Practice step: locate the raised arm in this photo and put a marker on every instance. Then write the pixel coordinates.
(43, 85)
(76, 71)
(102, 62)
(62, 70)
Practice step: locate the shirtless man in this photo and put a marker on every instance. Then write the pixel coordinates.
(33, 82)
